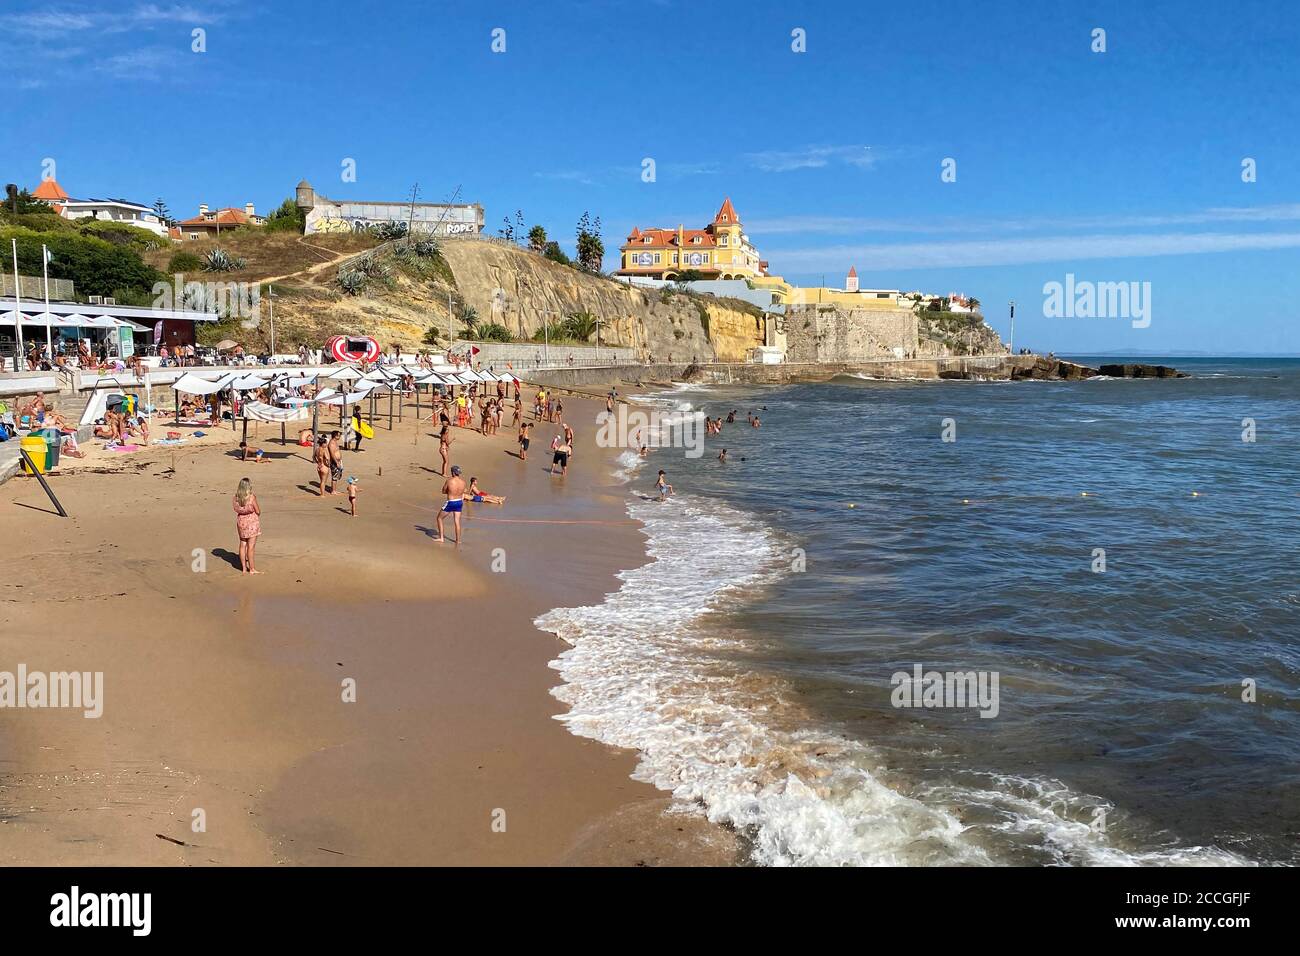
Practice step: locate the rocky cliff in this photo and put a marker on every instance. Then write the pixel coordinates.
(520, 289)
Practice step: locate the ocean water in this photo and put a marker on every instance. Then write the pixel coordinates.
(752, 661)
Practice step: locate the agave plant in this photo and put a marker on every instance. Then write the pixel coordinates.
(219, 260)
(351, 281)
(388, 230)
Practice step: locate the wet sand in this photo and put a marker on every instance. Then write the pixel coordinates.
(224, 692)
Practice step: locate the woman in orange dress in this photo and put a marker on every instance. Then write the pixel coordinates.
(248, 524)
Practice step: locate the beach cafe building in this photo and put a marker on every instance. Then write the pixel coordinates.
(127, 330)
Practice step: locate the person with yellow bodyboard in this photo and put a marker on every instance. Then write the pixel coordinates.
(360, 429)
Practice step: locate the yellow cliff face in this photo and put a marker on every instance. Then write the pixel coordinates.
(734, 332)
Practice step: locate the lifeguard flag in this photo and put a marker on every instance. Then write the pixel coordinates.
(473, 350)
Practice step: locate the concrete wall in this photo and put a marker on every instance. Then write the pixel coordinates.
(822, 334)
(33, 290)
(984, 367)
(524, 355)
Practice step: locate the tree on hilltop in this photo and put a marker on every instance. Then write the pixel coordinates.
(591, 251)
(537, 239)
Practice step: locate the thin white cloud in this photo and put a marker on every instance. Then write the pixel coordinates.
(682, 170)
(812, 157)
(1008, 252)
(142, 63)
(173, 13)
(568, 176)
(849, 225)
(47, 23)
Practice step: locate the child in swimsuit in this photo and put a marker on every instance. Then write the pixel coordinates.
(663, 487)
(478, 494)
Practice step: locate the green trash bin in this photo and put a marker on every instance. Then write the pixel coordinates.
(53, 442)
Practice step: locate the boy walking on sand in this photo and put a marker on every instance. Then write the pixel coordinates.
(352, 495)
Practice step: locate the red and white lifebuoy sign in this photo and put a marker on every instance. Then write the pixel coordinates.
(354, 348)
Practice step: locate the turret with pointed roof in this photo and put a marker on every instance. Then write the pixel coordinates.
(727, 214)
(50, 191)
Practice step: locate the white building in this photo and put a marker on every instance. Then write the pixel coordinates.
(115, 210)
(345, 215)
(107, 210)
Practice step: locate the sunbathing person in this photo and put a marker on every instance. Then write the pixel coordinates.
(478, 494)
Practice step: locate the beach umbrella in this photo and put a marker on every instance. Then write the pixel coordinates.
(225, 344)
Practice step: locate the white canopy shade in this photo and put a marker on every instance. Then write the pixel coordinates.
(248, 382)
(192, 384)
(348, 373)
(349, 399)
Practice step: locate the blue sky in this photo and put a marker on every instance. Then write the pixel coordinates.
(1115, 166)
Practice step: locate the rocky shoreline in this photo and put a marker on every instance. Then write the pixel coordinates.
(1056, 370)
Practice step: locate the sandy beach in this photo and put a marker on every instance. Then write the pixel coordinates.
(224, 693)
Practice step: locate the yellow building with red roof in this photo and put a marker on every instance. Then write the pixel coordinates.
(720, 250)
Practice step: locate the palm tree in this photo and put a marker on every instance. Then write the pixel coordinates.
(580, 325)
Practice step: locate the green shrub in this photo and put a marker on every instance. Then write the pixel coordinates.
(553, 252)
(184, 261)
(493, 332)
(287, 217)
(95, 266)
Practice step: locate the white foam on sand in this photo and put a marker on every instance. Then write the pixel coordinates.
(653, 669)
(640, 675)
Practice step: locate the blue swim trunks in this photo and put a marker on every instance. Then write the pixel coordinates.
(454, 505)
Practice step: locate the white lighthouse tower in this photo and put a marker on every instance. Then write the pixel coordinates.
(851, 282)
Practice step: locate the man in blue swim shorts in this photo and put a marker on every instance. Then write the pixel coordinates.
(454, 489)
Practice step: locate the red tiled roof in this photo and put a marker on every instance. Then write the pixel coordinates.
(224, 217)
(50, 191)
(664, 238)
(727, 213)
(853, 272)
